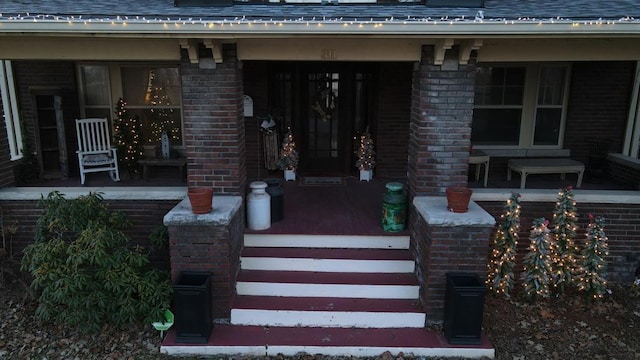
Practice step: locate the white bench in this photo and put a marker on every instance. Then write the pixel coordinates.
(545, 166)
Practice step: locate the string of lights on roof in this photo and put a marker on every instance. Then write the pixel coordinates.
(319, 21)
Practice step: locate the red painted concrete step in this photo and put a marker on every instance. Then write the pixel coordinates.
(326, 304)
(328, 253)
(307, 277)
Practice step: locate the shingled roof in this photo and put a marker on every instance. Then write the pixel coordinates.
(493, 9)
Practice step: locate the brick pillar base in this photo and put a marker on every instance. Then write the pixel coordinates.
(444, 241)
(208, 242)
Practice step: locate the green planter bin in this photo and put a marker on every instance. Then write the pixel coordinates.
(192, 303)
(463, 308)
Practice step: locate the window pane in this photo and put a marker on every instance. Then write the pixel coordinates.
(551, 88)
(499, 85)
(151, 86)
(547, 129)
(95, 80)
(496, 126)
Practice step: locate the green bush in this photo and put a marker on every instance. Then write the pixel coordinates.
(84, 270)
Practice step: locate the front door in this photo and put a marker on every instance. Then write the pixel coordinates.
(331, 104)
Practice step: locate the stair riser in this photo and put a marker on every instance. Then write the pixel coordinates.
(327, 241)
(328, 290)
(328, 265)
(326, 318)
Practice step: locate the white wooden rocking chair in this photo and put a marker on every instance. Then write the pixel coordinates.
(95, 152)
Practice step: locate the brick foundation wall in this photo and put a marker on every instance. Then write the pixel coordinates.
(213, 248)
(440, 130)
(214, 124)
(144, 215)
(621, 227)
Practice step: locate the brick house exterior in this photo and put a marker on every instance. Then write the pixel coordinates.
(424, 108)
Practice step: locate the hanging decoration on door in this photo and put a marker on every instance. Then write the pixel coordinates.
(325, 100)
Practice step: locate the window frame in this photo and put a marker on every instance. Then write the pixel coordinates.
(530, 106)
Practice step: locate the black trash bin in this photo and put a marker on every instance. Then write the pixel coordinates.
(463, 308)
(275, 190)
(192, 302)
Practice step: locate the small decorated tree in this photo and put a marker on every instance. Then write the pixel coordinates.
(591, 276)
(503, 256)
(288, 154)
(127, 135)
(366, 155)
(537, 263)
(564, 252)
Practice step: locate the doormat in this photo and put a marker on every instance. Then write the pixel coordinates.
(322, 180)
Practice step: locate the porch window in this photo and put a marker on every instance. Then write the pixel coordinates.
(10, 107)
(520, 106)
(152, 93)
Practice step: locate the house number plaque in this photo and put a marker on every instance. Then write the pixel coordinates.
(328, 54)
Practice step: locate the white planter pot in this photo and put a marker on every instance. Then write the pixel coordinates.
(290, 175)
(366, 175)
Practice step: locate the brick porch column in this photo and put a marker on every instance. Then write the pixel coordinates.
(447, 242)
(214, 124)
(208, 242)
(440, 130)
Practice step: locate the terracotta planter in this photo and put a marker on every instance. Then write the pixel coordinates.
(201, 199)
(458, 199)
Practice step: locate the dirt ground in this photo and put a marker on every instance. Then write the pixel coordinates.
(558, 329)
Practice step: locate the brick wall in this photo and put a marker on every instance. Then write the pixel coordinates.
(394, 102)
(214, 124)
(622, 229)
(440, 130)
(144, 215)
(6, 165)
(210, 248)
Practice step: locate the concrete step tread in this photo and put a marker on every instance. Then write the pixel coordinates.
(308, 277)
(326, 304)
(327, 253)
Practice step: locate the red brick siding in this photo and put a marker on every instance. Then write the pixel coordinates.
(54, 77)
(144, 215)
(213, 249)
(624, 174)
(440, 130)
(214, 124)
(598, 105)
(257, 87)
(622, 230)
(394, 103)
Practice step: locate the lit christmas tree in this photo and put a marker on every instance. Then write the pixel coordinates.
(591, 276)
(127, 136)
(288, 154)
(162, 118)
(537, 263)
(365, 153)
(503, 256)
(564, 252)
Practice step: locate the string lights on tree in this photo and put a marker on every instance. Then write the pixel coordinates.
(564, 252)
(288, 154)
(366, 155)
(127, 135)
(500, 277)
(161, 116)
(591, 277)
(537, 263)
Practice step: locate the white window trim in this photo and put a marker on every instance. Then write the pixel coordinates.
(10, 107)
(529, 108)
(632, 133)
